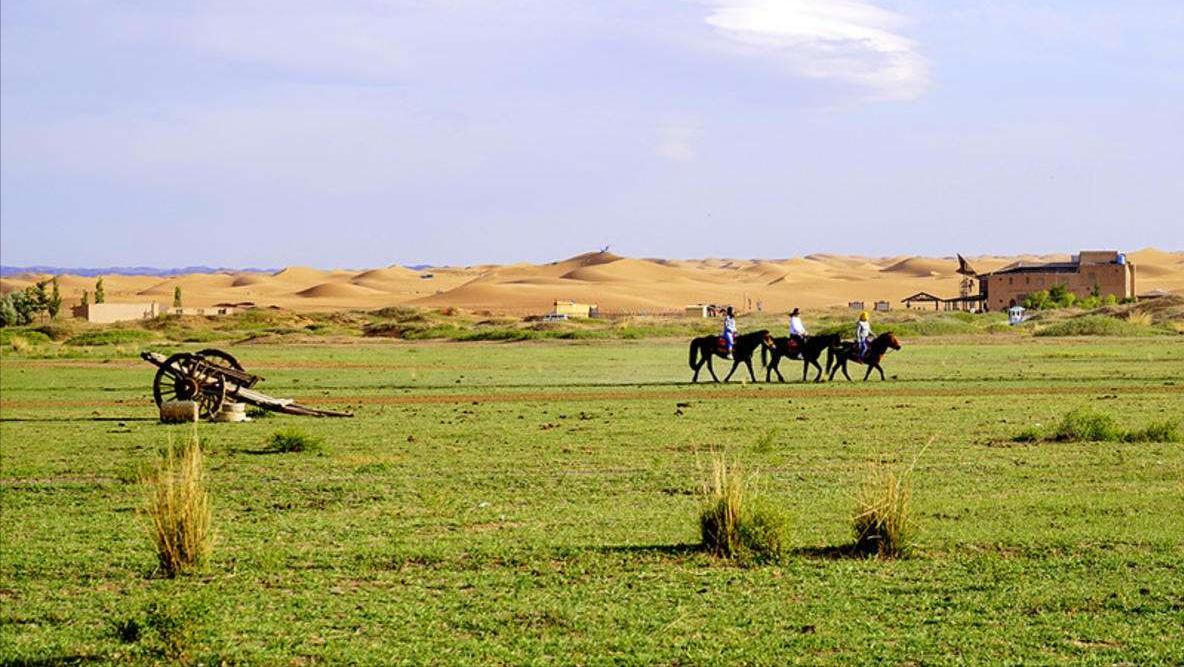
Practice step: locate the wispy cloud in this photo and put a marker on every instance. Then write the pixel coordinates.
(844, 40)
(676, 141)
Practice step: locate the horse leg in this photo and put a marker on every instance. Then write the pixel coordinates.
(818, 375)
(777, 367)
(844, 362)
(748, 362)
(711, 368)
(868, 373)
(735, 365)
(881, 372)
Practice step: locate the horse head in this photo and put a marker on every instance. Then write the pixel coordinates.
(891, 340)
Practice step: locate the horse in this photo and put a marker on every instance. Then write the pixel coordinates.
(704, 347)
(808, 353)
(876, 349)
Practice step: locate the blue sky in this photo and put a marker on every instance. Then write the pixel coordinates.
(357, 134)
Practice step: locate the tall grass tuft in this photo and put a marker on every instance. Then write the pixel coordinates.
(734, 523)
(178, 509)
(1086, 425)
(1160, 431)
(294, 440)
(882, 521)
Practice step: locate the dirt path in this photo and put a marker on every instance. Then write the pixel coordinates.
(636, 394)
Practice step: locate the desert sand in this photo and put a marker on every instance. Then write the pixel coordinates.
(616, 284)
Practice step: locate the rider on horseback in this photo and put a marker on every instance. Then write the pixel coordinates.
(729, 331)
(797, 332)
(863, 334)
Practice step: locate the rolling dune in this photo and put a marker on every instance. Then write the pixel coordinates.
(615, 283)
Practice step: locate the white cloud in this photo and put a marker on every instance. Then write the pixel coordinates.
(845, 40)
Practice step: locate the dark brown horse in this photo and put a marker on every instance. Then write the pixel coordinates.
(808, 353)
(876, 349)
(704, 348)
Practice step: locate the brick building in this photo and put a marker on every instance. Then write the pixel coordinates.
(1105, 271)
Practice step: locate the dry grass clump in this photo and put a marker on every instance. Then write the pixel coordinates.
(735, 523)
(178, 509)
(882, 521)
(1142, 318)
(19, 344)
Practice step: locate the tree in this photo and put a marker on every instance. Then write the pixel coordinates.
(85, 298)
(18, 307)
(177, 296)
(8, 313)
(54, 305)
(100, 295)
(1037, 300)
(40, 298)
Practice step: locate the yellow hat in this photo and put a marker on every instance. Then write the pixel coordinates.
(863, 315)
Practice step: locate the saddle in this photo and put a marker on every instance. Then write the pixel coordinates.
(721, 344)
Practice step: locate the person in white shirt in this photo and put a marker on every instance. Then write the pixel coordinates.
(797, 331)
(730, 330)
(863, 333)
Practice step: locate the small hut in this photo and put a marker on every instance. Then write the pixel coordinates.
(922, 298)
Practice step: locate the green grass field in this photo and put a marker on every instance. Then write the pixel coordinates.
(535, 503)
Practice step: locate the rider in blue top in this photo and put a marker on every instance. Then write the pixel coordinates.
(730, 330)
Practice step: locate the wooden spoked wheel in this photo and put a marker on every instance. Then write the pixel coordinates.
(178, 379)
(220, 358)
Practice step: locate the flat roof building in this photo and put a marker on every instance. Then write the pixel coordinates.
(1101, 272)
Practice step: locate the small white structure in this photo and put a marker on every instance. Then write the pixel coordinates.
(106, 313)
(1015, 315)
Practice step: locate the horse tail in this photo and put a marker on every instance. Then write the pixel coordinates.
(693, 356)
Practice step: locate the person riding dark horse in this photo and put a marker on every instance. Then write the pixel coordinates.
(797, 331)
(704, 348)
(808, 351)
(876, 348)
(730, 330)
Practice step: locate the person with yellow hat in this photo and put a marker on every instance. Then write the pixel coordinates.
(863, 333)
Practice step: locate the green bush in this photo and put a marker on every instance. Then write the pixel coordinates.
(111, 337)
(1094, 325)
(1161, 431)
(55, 331)
(29, 336)
(735, 523)
(1087, 425)
(294, 440)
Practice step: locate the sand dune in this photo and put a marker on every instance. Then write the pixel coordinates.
(335, 290)
(921, 267)
(615, 283)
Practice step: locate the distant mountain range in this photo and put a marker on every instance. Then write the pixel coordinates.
(123, 270)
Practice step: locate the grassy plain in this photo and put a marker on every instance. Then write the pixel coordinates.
(535, 503)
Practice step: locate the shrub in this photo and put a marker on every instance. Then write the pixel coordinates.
(1161, 431)
(1086, 425)
(1093, 325)
(178, 509)
(19, 344)
(1140, 318)
(293, 440)
(734, 523)
(55, 331)
(882, 522)
(111, 337)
